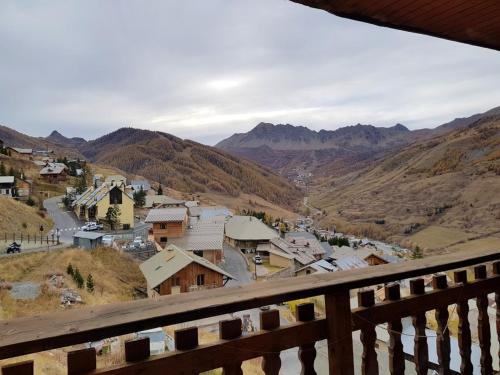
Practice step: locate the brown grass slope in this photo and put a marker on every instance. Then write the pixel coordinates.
(17, 217)
(187, 166)
(438, 193)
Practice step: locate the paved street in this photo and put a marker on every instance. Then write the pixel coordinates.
(235, 264)
(63, 220)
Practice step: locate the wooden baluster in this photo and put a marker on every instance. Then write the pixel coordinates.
(483, 324)
(464, 334)
(369, 364)
(271, 362)
(440, 282)
(186, 338)
(137, 350)
(339, 333)
(81, 361)
(307, 351)
(395, 327)
(21, 368)
(496, 271)
(230, 330)
(421, 350)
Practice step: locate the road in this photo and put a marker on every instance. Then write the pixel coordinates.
(235, 264)
(64, 220)
(314, 210)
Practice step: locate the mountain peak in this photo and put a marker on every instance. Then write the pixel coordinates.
(400, 127)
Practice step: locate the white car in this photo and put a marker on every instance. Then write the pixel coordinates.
(257, 259)
(108, 240)
(92, 226)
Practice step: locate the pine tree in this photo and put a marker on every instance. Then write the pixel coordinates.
(77, 276)
(160, 190)
(90, 283)
(2, 169)
(140, 198)
(69, 270)
(417, 253)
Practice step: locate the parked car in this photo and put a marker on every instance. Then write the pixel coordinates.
(92, 226)
(14, 248)
(138, 243)
(108, 240)
(257, 259)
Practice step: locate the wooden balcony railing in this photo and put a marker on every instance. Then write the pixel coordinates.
(62, 329)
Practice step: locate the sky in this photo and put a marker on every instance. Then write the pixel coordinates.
(205, 69)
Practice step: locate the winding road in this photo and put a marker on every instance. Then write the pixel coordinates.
(64, 220)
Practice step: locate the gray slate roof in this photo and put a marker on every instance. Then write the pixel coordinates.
(249, 228)
(6, 179)
(168, 262)
(202, 235)
(162, 215)
(88, 235)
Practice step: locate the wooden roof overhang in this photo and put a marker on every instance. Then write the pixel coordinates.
(475, 22)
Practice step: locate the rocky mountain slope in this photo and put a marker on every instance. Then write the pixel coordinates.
(290, 150)
(439, 193)
(57, 138)
(186, 165)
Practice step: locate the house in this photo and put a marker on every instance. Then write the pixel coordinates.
(116, 180)
(204, 237)
(137, 185)
(167, 223)
(93, 205)
(21, 153)
(7, 186)
(174, 270)
(247, 232)
(54, 173)
(152, 201)
(87, 240)
(23, 188)
(375, 259)
(302, 250)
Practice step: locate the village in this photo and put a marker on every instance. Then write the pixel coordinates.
(181, 246)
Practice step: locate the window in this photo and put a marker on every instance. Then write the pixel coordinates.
(198, 252)
(115, 196)
(176, 281)
(200, 280)
(163, 239)
(126, 226)
(163, 225)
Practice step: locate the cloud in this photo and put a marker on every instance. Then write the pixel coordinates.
(206, 69)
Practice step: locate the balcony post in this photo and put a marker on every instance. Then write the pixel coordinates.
(339, 333)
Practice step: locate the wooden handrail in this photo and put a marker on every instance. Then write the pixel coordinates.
(55, 330)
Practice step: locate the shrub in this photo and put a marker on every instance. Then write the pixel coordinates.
(69, 270)
(90, 283)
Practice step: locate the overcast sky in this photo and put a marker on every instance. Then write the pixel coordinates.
(204, 69)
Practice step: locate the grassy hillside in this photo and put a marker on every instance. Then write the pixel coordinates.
(187, 166)
(18, 217)
(115, 276)
(437, 193)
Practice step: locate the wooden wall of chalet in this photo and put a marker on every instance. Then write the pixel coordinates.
(374, 260)
(187, 278)
(172, 230)
(214, 256)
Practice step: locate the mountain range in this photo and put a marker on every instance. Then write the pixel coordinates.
(441, 193)
(289, 149)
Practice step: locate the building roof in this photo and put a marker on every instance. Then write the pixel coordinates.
(207, 212)
(248, 228)
(115, 178)
(22, 150)
(7, 179)
(88, 235)
(53, 169)
(350, 263)
(299, 251)
(386, 258)
(206, 234)
(151, 200)
(137, 184)
(162, 215)
(168, 262)
(471, 22)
